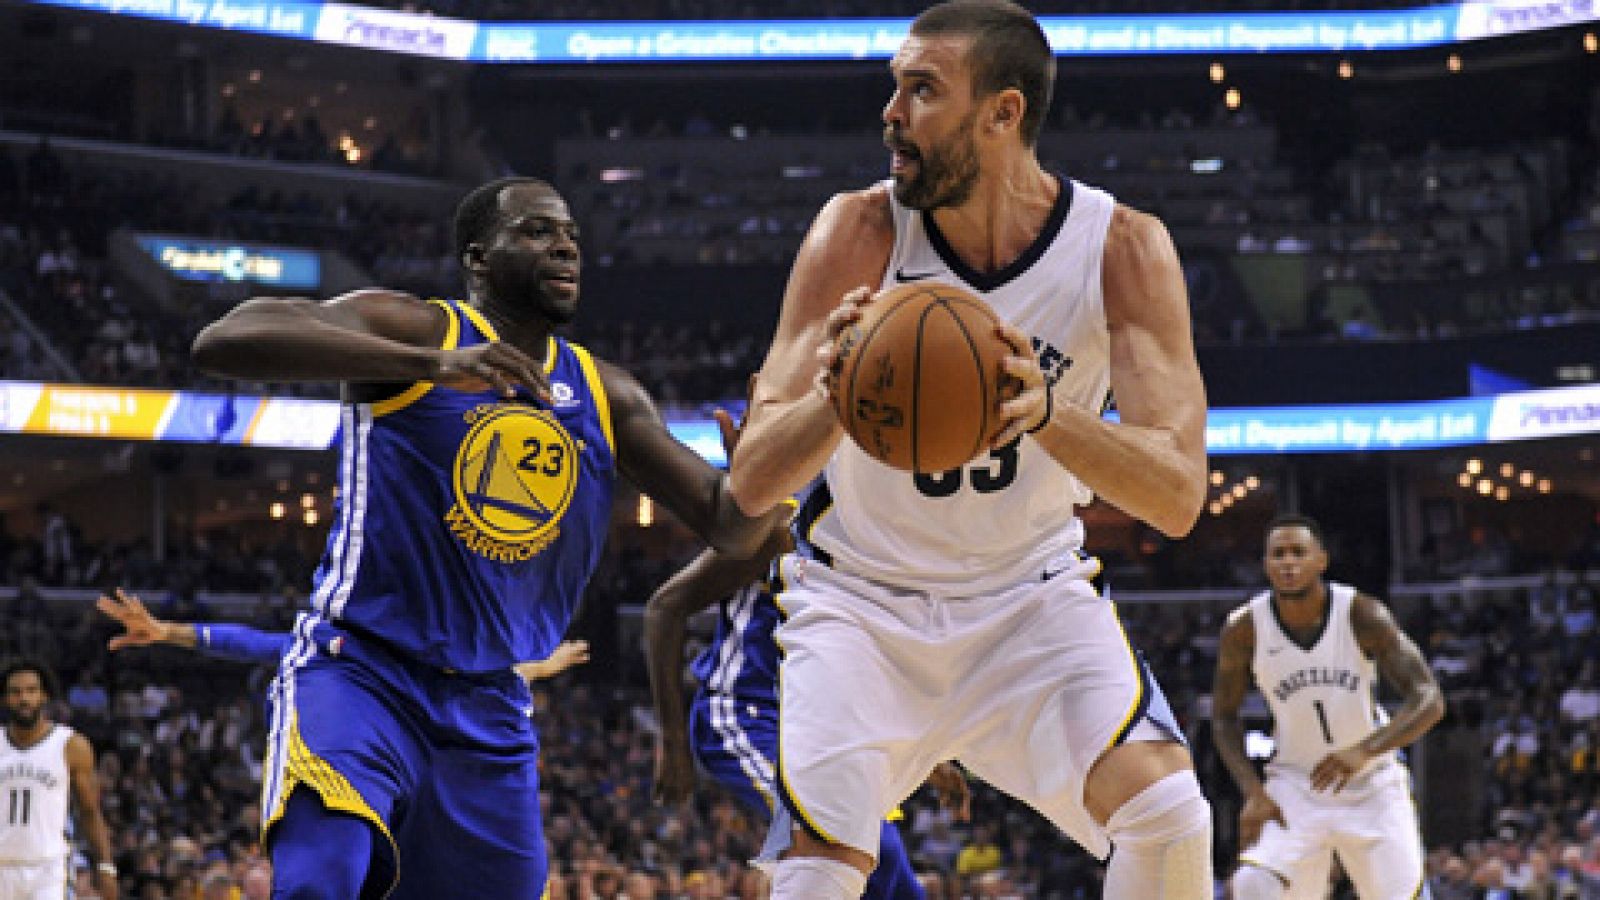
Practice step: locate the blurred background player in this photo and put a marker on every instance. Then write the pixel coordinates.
(1314, 649)
(40, 761)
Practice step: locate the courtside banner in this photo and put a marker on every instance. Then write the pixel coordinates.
(843, 39)
(297, 423)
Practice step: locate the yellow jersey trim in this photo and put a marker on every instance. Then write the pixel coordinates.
(1138, 679)
(591, 374)
(489, 332)
(304, 767)
(410, 395)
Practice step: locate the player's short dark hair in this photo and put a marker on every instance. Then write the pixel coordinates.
(1009, 50)
(479, 211)
(47, 678)
(1297, 520)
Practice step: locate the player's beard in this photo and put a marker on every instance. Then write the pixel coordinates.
(28, 718)
(945, 174)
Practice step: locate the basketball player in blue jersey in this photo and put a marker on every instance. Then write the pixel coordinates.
(952, 615)
(1334, 785)
(241, 643)
(731, 728)
(478, 456)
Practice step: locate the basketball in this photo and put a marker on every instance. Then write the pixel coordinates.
(916, 381)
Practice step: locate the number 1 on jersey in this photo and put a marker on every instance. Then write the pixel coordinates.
(21, 804)
(1322, 719)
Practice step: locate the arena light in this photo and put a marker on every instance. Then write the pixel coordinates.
(1525, 479)
(276, 510)
(1502, 493)
(1217, 478)
(1474, 467)
(310, 517)
(255, 76)
(1232, 98)
(1218, 73)
(1485, 487)
(1346, 69)
(1507, 470)
(1252, 482)
(1214, 508)
(1591, 43)
(1544, 486)
(647, 512)
(1239, 491)
(1464, 479)
(1453, 62)
(307, 501)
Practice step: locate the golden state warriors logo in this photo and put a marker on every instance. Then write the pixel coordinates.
(513, 479)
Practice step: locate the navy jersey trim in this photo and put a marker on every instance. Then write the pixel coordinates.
(989, 281)
(817, 503)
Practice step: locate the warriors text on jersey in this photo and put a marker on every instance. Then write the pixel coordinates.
(1009, 514)
(1320, 695)
(34, 785)
(469, 524)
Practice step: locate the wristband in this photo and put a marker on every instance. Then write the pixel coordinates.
(107, 868)
(1049, 410)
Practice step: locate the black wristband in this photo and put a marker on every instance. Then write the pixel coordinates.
(1049, 410)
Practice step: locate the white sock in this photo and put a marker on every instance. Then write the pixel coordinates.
(816, 878)
(1162, 837)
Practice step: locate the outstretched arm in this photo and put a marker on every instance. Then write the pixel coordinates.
(706, 579)
(566, 655)
(86, 793)
(370, 336)
(236, 642)
(1228, 688)
(1402, 665)
(662, 467)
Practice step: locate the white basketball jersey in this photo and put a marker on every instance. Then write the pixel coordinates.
(1008, 514)
(1322, 697)
(34, 796)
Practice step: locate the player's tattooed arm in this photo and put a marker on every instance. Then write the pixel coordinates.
(1232, 680)
(1403, 666)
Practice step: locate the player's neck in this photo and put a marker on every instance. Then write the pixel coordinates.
(23, 738)
(1008, 209)
(526, 331)
(1302, 609)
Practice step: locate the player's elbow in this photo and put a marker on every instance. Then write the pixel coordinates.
(749, 495)
(1178, 517)
(219, 347)
(1433, 709)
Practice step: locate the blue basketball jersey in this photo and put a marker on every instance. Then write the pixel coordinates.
(742, 660)
(467, 525)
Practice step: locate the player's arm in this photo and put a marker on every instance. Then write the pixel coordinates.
(370, 336)
(1234, 652)
(1152, 463)
(705, 580)
(790, 430)
(236, 642)
(566, 655)
(661, 466)
(86, 794)
(1403, 666)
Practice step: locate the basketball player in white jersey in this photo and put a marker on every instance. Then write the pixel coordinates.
(951, 616)
(39, 759)
(1314, 649)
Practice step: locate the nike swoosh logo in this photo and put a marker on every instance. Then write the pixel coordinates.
(902, 276)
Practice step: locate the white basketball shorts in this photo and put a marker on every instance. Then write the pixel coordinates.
(1373, 828)
(1026, 688)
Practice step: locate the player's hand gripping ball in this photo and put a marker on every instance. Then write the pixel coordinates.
(917, 380)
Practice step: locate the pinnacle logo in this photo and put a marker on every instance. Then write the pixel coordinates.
(513, 480)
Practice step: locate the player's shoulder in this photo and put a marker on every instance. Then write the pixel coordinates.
(1134, 230)
(1240, 625)
(859, 214)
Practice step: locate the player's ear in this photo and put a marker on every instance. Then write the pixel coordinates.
(474, 259)
(1007, 112)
